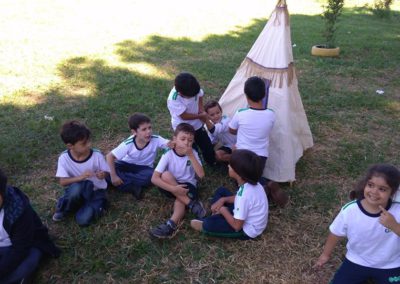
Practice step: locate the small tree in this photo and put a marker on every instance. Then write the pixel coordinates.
(331, 13)
(381, 8)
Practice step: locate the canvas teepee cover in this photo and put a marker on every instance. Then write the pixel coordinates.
(271, 58)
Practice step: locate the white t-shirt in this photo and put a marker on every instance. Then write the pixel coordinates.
(4, 237)
(128, 151)
(178, 105)
(68, 167)
(221, 133)
(251, 205)
(254, 127)
(179, 166)
(369, 243)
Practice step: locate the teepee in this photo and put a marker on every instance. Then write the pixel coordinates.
(271, 58)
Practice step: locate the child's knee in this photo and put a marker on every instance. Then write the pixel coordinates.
(84, 216)
(74, 190)
(168, 177)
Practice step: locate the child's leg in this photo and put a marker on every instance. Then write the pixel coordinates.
(203, 141)
(217, 226)
(95, 203)
(223, 154)
(222, 192)
(386, 276)
(25, 268)
(350, 272)
(132, 174)
(72, 198)
(179, 211)
(170, 179)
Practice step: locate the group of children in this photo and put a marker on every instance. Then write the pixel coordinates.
(371, 222)
(129, 167)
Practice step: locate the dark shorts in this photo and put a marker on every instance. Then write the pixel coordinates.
(192, 193)
(225, 149)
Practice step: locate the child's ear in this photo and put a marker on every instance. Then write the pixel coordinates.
(133, 131)
(69, 146)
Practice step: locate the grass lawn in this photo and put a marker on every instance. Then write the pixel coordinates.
(100, 61)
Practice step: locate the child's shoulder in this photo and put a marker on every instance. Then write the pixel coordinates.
(173, 95)
(129, 140)
(350, 205)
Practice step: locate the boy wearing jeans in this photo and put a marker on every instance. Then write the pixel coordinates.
(82, 171)
(131, 163)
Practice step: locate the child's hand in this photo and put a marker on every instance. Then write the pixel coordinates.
(180, 189)
(116, 180)
(203, 116)
(100, 174)
(86, 175)
(321, 261)
(387, 219)
(187, 149)
(171, 144)
(217, 205)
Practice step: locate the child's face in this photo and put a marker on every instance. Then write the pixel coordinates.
(81, 148)
(232, 173)
(183, 140)
(143, 132)
(377, 192)
(215, 114)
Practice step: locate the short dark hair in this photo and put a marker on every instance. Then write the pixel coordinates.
(3, 184)
(247, 165)
(187, 85)
(388, 172)
(254, 88)
(73, 131)
(137, 119)
(184, 127)
(211, 104)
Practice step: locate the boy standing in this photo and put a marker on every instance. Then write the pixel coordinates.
(253, 125)
(131, 163)
(185, 104)
(218, 127)
(175, 175)
(82, 171)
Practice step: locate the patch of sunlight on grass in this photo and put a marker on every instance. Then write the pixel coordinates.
(35, 36)
(394, 105)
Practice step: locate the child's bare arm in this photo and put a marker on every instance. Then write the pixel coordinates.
(330, 244)
(201, 107)
(221, 202)
(67, 181)
(235, 223)
(198, 168)
(176, 189)
(192, 116)
(233, 131)
(115, 179)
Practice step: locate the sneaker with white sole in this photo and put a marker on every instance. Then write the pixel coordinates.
(164, 231)
(197, 208)
(58, 216)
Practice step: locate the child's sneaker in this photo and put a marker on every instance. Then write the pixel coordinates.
(164, 231)
(197, 225)
(58, 216)
(197, 208)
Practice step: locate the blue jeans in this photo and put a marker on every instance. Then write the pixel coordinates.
(351, 273)
(25, 268)
(216, 225)
(132, 174)
(80, 197)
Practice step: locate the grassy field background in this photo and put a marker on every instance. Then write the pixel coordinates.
(100, 61)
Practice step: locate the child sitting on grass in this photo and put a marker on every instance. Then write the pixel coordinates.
(371, 224)
(24, 240)
(218, 127)
(82, 171)
(131, 163)
(175, 175)
(253, 125)
(185, 104)
(244, 215)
